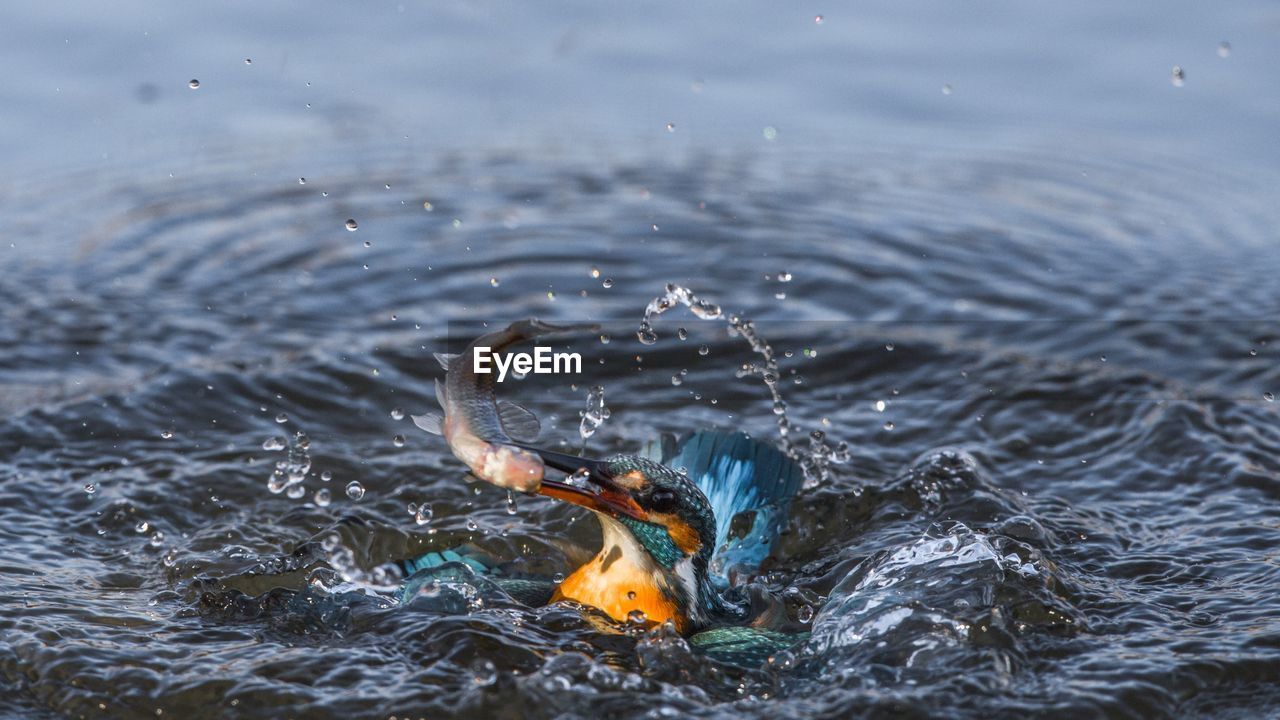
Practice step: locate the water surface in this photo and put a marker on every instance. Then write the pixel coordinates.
(1039, 309)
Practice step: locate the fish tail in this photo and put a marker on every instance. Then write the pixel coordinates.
(528, 329)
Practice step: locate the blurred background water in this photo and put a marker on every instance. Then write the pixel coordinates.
(1031, 275)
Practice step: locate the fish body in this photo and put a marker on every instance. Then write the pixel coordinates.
(483, 432)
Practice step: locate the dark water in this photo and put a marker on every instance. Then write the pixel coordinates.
(1039, 309)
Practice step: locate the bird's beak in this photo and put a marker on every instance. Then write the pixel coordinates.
(599, 492)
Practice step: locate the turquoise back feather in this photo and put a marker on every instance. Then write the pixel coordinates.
(739, 476)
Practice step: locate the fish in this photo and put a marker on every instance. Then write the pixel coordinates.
(483, 432)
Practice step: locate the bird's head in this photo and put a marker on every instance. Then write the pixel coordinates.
(663, 510)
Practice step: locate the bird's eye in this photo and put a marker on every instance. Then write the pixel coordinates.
(662, 500)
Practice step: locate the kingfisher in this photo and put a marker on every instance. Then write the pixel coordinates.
(681, 523)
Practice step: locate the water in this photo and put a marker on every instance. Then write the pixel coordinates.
(1058, 278)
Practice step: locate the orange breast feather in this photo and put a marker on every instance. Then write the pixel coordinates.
(618, 588)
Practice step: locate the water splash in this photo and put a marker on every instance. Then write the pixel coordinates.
(351, 575)
(292, 470)
(814, 457)
(675, 295)
(882, 599)
(595, 413)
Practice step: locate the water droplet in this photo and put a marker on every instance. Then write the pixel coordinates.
(351, 224)
(647, 336)
(595, 413)
(193, 84)
(578, 478)
(282, 418)
(157, 539)
(274, 442)
(167, 434)
(805, 614)
(1224, 49)
(295, 491)
(682, 334)
(770, 133)
(946, 89)
(326, 476)
(426, 205)
(888, 425)
(511, 503)
(607, 283)
(1178, 77)
(322, 498)
(398, 441)
(818, 19)
(248, 61)
(302, 181)
(636, 617)
(472, 526)
(142, 527)
(604, 339)
(494, 281)
(355, 490)
(1269, 397)
(1253, 352)
(595, 272)
(557, 578)
(880, 405)
(368, 243)
(397, 413)
(704, 350)
(888, 346)
(780, 295)
(671, 127)
(483, 672)
(784, 276)
(631, 594)
(551, 295)
(423, 515)
(677, 379)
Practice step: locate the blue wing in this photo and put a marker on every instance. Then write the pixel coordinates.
(749, 485)
(433, 560)
(461, 565)
(746, 647)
